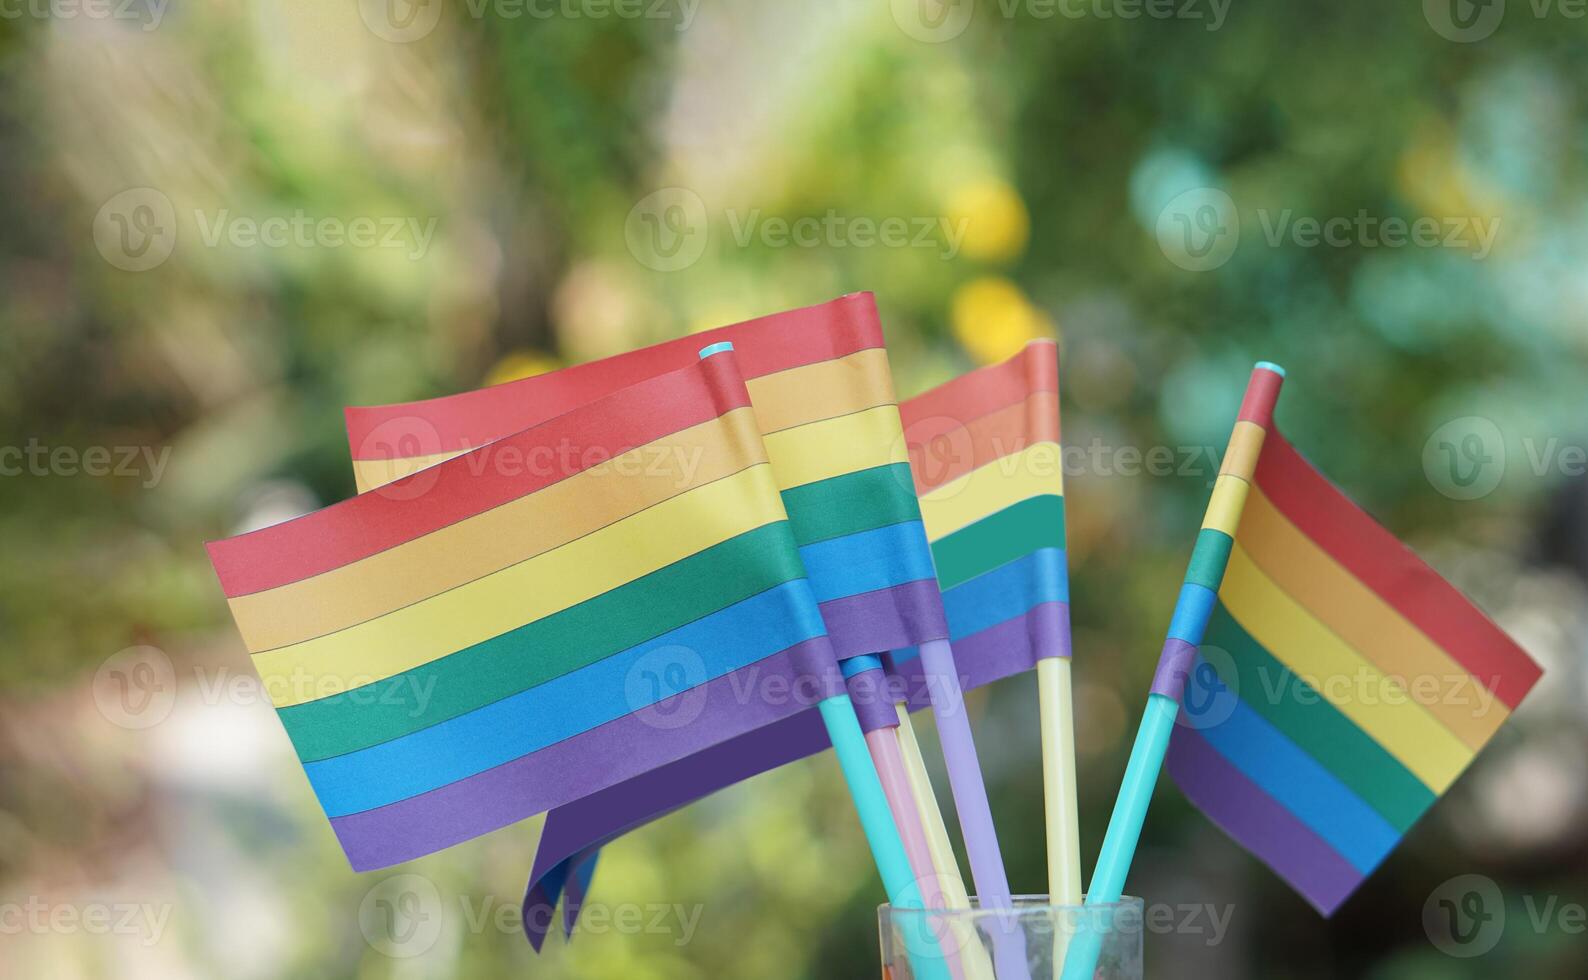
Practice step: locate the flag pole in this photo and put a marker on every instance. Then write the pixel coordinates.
(1056, 717)
(1203, 576)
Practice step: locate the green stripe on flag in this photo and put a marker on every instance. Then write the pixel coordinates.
(1316, 726)
(860, 501)
(1209, 559)
(624, 617)
(1014, 532)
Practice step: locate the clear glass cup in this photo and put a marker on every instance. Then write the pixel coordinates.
(1027, 941)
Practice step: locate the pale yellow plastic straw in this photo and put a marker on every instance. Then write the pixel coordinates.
(976, 963)
(1058, 780)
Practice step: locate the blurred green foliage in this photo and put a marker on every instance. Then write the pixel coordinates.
(1040, 151)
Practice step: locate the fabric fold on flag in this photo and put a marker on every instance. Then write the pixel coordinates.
(526, 623)
(986, 466)
(1341, 688)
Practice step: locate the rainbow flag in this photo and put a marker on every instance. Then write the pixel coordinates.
(988, 470)
(534, 621)
(986, 463)
(1341, 687)
(824, 400)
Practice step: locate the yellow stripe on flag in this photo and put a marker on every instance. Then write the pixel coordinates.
(822, 390)
(1368, 624)
(822, 450)
(1378, 705)
(503, 601)
(991, 487)
(1246, 443)
(538, 522)
(368, 474)
(1224, 506)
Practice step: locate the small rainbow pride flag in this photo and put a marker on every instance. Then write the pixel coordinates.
(988, 470)
(1341, 688)
(533, 621)
(986, 463)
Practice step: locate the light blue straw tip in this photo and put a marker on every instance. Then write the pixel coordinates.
(1262, 365)
(706, 352)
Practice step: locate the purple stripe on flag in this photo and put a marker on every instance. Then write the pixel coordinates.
(602, 816)
(1000, 651)
(887, 619)
(1258, 823)
(873, 701)
(636, 743)
(1174, 666)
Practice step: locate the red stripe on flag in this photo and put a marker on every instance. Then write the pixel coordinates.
(988, 389)
(468, 485)
(762, 346)
(942, 449)
(1261, 394)
(1381, 562)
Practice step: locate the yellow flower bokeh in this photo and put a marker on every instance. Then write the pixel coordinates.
(520, 364)
(993, 319)
(994, 217)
